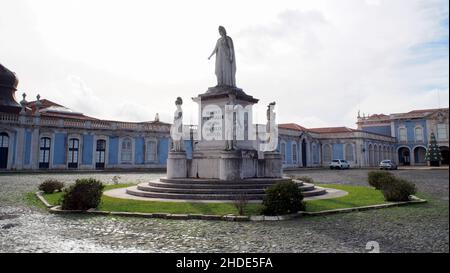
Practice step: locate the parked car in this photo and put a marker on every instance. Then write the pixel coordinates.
(339, 164)
(388, 165)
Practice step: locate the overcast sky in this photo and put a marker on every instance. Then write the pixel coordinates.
(321, 61)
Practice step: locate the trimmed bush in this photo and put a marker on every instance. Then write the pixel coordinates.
(51, 185)
(398, 189)
(83, 195)
(283, 198)
(377, 178)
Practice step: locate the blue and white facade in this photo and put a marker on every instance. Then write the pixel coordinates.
(55, 138)
(301, 147)
(412, 131)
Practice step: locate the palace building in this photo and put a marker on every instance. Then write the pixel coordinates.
(411, 131)
(44, 135)
(401, 137)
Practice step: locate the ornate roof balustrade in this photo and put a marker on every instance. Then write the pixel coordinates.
(7, 118)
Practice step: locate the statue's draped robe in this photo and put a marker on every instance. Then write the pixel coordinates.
(176, 131)
(225, 69)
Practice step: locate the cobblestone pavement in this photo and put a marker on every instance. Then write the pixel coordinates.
(418, 228)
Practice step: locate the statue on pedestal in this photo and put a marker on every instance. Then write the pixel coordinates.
(270, 116)
(271, 130)
(176, 131)
(225, 60)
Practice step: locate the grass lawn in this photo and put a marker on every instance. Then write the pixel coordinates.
(358, 196)
(127, 205)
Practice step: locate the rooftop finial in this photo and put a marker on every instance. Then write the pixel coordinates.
(23, 103)
(38, 104)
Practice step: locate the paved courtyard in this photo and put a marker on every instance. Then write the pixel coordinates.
(418, 228)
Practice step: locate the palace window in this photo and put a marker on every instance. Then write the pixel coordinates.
(326, 153)
(442, 131)
(294, 153)
(4, 144)
(402, 136)
(126, 151)
(349, 152)
(418, 133)
(73, 153)
(315, 153)
(100, 154)
(44, 153)
(150, 151)
(4, 140)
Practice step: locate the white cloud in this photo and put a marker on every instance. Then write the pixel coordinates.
(320, 60)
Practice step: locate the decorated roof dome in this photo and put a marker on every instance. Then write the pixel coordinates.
(8, 87)
(7, 78)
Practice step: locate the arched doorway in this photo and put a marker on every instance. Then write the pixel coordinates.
(444, 155)
(4, 147)
(371, 156)
(304, 163)
(404, 156)
(419, 155)
(376, 155)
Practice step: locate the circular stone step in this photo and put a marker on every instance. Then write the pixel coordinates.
(213, 189)
(316, 192)
(144, 187)
(207, 186)
(221, 182)
(137, 192)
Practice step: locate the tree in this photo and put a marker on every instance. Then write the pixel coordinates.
(433, 154)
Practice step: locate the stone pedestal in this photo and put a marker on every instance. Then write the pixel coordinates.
(176, 165)
(273, 166)
(210, 160)
(230, 165)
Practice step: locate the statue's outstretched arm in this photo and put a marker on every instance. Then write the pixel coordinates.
(214, 52)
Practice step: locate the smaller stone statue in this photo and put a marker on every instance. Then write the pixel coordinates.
(176, 131)
(271, 129)
(270, 116)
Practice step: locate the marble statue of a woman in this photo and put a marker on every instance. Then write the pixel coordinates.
(225, 60)
(176, 128)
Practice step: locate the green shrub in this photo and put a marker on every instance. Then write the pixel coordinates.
(377, 178)
(306, 179)
(398, 189)
(83, 195)
(51, 185)
(283, 198)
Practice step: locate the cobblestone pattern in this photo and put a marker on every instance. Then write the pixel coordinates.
(418, 228)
